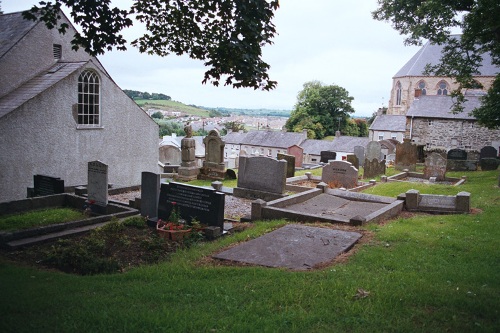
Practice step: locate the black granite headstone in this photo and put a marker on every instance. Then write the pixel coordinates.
(488, 152)
(457, 154)
(193, 202)
(327, 155)
(46, 185)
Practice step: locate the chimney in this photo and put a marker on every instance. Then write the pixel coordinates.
(337, 134)
(418, 93)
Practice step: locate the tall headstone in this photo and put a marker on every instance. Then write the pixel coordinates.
(327, 155)
(150, 191)
(340, 173)
(373, 150)
(290, 164)
(213, 166)
(261, 177)
(188, 169)
(373, 168)
(97, 184)
(406, 155)
(359, 151)
(435, 166)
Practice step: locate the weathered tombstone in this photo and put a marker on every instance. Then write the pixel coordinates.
(261, 177)
(97, 184)
(150, 190)
(46, 185)
(488, 152)
(340, 173)
(188, 169)
(170, 154)
(373, 168)
(193, 202)
(359, 151)
(326, 156)
(290, 164)
(213, 166)
(457, 154)
(374, 150)
(406, 155)
(230, 174)
(390, 158)
(351, 158)
(435, 166)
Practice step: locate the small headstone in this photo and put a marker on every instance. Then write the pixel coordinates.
(373, 168)
(97, 187)
(340, 173)
(150, 191)
(489, 163)
(290, 164)
(327, 156)
(457, 154)
(230, 174)
(488, 152)
(406, 155)
(359, 151)
(351, 158)
(193, 202)
(373, 150)
(47, 185)
(435, 166)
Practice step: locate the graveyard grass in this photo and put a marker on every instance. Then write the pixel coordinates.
(38, 218)
(418, 273)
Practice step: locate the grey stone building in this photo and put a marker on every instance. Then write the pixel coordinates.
(60, 109)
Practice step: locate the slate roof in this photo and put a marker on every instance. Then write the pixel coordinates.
(431, 53)
(344, 144)
(36, 85)
(385, 122)
(12, 29)
(265, 139)
(440, 107)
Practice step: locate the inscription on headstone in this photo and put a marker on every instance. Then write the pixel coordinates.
(203, 204)
(327, 156)
(406, 155)
(46, 185)
(290, 164)
(340, 173)
(456, 154)
(97, 187)
(435, 166)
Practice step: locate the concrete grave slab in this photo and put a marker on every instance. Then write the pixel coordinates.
(293, 246)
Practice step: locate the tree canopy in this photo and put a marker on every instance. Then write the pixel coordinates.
(227, 35)
(461, 58)
(320, 109)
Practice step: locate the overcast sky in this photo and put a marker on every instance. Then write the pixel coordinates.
(335, 42)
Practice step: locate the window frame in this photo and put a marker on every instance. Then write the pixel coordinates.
(89, 113)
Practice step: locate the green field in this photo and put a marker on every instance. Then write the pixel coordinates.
(171, 106)
(416, 273)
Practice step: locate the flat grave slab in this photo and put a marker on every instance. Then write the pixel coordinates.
(325, 205)
(293, 246)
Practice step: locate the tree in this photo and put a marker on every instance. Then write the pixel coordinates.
(157, 115)
(320, 109)
(228, 35)
(461, 57)
(234, 126)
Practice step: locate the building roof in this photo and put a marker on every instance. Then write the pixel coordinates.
(265, 138)
(235, 138)
(343, 144)
(13, 27)
(36, 85)
(386, 122)
(431, 54)
(441, 106)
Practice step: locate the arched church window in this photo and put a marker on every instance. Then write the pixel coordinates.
(442, 88)
(421, 86)
(88, 98)
(398, 93)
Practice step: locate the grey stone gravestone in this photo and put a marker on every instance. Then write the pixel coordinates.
(373, 168)
(359, 151)
(457, 154)
(213, 166)
(47, 185)
(373, 150)
(351, 158)
(97, 187)
(435, 166)
(188, 169)
(193, 202)
(150, 191)
(326, 156)
(261, 177)
(340, 173)
(290, 164)
(488, 152)
(406, 155)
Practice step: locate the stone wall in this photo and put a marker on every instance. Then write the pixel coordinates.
(447, 134)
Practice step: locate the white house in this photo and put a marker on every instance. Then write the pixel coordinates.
(60, 109)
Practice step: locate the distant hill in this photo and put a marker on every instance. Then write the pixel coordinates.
(251, 112)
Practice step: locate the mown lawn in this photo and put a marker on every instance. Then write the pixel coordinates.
(426, 273)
